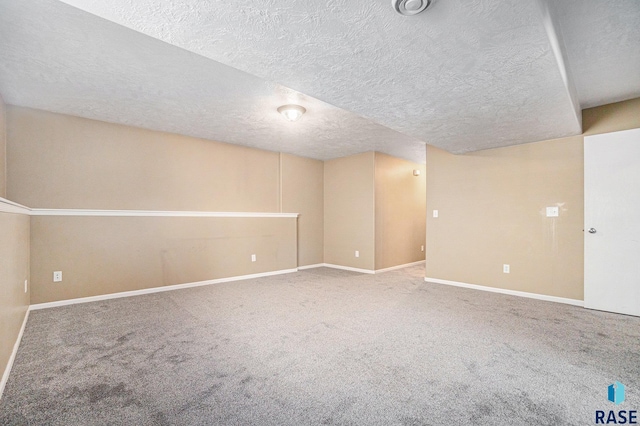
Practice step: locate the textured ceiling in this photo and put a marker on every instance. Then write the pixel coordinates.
(465, 75)
(602, 39)
(58, 58)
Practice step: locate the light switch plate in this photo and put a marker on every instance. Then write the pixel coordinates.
(552, 211)
(435, 213)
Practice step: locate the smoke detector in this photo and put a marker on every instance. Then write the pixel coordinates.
(410, 7)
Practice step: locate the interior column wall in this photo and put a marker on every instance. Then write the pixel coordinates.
(400, 211)
(303, 192)
(349, 206)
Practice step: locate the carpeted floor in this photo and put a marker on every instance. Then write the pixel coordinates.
(322, 347)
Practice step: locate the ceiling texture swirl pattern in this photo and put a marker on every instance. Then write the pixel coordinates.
(464, 75)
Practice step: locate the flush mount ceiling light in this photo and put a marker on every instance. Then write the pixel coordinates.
(410, 7)
(292, 112)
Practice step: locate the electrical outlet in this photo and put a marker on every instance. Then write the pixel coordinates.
(506, 269)
(57, 276)
(26, 286)
(421, 248)
(253, 257)
(357, 253)
(552, 211)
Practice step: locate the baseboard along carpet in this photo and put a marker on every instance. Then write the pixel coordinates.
(322, 346)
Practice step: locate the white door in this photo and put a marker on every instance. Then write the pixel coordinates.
(612, 222)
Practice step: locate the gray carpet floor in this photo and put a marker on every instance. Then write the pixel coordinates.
(318, 347)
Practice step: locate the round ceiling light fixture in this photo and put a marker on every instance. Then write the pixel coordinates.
(292, 112)
(410, 7)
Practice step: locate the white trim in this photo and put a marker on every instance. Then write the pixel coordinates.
(364, 271)
(393, 268)
(152, 213)
(280, 181)
(7, 206)
(544, 297)
(348, 268)
(154, 290)
(317, 265)
(16, 345)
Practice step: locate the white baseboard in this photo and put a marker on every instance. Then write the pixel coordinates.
(393, 268)
(544, 297)
(16, 345)
(317, 265)
(154, 290)
(349, 268)
(363, 271)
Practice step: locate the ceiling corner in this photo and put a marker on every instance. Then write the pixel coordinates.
(556, 40)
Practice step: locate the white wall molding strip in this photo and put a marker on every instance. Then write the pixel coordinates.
(349, 268)
(155, 290)
(7, 206)
(537, 296)
(12, 358)
(393, 268)
(152, 213)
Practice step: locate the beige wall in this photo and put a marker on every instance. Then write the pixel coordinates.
(100, 255)
(60, 161)
(492, 211)
(491, 208)
(375, 205)
(302, 192)
(400, 200)
(14, 270)
(349, 211)
(3, 149)
(612, 117)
